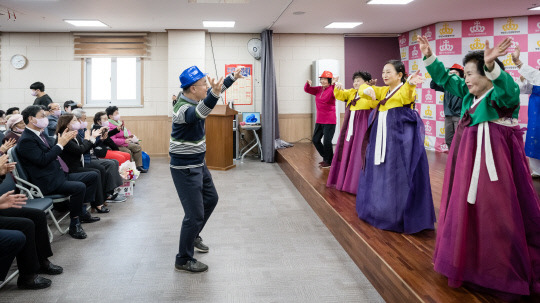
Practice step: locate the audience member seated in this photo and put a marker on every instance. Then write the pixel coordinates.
(110, 175)
(106, 148)
(38, 90)
(48, 171)
(69, 105)
(12, 111)
(54, 114)
(2, 117)
(124, 139)
(73, 156)
(15, 127)
(26, 237)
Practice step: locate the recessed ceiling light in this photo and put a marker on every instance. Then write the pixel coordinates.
(537, 8)
(343, 24)
(389, 1)
(218, 23)
(298, 13)
(94, 23)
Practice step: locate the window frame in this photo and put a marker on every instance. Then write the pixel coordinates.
(87, 76)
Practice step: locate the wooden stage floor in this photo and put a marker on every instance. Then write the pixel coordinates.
(399, 266)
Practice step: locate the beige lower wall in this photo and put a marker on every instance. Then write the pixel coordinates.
(154, 131)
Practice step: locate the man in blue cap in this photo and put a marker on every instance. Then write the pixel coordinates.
(187, 149)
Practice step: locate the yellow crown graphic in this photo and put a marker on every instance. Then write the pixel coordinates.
(428, 111)
(414, 36)
(446, 30)
(414, 66)
(403, 54)
(508, 61)
(477, 44)
(538, 43)
(442, 130)
(427, 75)
(442, 97)
(426, 142)
(509, 26)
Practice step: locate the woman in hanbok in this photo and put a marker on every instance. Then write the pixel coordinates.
(489, 221)
(394, 191)
(347, 161)
(531, 86)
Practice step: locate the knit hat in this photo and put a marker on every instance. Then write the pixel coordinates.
(14, 119)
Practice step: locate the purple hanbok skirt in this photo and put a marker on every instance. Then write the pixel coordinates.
(494, 243)
(396, 195)
(347, 162)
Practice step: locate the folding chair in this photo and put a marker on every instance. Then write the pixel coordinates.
(43, 204)
(33, 191)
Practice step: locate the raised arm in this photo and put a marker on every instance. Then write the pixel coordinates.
(504, 86)
(312, 90)
(439, 74)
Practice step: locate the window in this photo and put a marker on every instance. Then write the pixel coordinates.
(113, 81)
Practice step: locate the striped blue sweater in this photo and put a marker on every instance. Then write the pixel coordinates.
(187, 146)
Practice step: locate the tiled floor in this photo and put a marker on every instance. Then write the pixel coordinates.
(266, 245)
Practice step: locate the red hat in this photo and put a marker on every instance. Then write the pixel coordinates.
(457, 66)
(326, 74)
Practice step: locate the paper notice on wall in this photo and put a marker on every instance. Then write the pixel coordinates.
(241, 92)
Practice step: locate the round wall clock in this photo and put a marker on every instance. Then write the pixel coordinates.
(18, 61)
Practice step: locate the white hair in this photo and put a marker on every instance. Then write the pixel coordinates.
(78, 112)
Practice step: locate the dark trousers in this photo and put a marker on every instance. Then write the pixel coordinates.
(450, 127)
(111, 178)
(81, 187)
(11, 243)
(325, 132)
(199, 197)
(100, 171)
(33, 224)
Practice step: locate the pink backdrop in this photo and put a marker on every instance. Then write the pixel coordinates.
(451, 41)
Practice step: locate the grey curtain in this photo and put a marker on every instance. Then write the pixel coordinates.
(270, 123)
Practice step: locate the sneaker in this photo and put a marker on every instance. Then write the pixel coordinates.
(535, 175)
(199, 246)
(193, 266)
(325, 165)
(116, 198)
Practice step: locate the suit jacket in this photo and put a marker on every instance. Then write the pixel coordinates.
(73, 151)
(40, 162)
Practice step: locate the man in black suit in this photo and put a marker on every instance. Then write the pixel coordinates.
(46, 170)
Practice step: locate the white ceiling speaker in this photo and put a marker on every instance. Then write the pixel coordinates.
(254, 48)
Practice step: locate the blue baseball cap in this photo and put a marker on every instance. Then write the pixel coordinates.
(191, 75)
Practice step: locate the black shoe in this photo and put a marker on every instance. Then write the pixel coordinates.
(77, 231)
(36, 282)
(51, 269)
(193, 266)
(102, 210)
(325, 165)
(87, 218)
(199, 246)
(141, 169)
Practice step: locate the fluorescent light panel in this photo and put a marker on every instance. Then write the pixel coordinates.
(88, 23)
(390, 1)
(218, 23)
(343, 25)
(535, 8)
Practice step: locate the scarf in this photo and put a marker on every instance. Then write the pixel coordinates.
(118, 124)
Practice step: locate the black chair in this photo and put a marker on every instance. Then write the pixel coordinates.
(33, 191)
